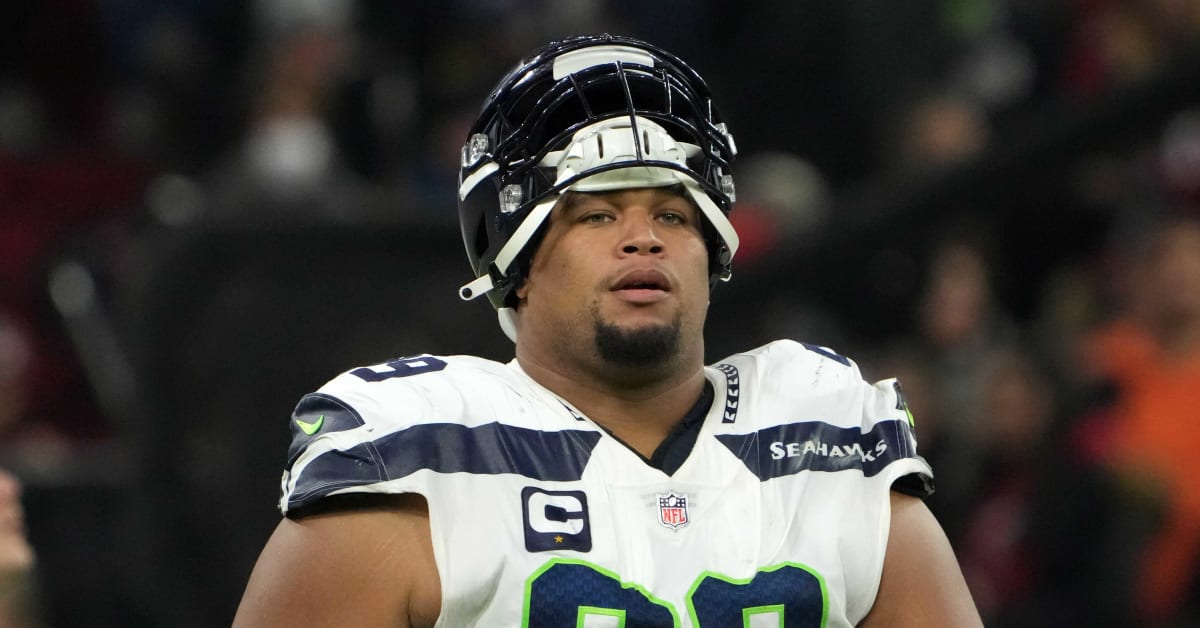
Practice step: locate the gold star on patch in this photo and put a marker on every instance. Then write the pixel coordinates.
(558, 538)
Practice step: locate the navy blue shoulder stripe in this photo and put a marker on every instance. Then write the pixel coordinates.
(490, 449)
(816, 446)
(317, 414)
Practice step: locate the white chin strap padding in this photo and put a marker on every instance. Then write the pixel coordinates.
(482, 172)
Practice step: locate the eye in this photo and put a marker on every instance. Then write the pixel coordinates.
(596, 217)
(673, 218)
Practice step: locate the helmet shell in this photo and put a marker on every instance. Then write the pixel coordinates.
(538, 109)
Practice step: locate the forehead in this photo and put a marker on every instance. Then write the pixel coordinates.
(629, 196)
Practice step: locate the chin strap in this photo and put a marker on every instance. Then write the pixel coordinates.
(716, 218)
(484, 283)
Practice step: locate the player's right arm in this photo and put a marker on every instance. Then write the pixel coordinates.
(355, 546)
(359, 561)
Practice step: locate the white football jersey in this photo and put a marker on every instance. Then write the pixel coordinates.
(778, 517)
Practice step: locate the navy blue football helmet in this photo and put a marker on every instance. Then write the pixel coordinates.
(589, 113)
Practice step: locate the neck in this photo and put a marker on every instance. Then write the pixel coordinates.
(640, 409)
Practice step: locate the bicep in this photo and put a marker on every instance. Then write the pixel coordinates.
(922, 584)
(355, 567)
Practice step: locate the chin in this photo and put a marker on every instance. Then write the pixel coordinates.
(637, 345)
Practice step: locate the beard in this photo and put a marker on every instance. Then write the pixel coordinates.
(642, 346)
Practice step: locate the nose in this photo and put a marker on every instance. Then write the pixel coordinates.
(639, 237)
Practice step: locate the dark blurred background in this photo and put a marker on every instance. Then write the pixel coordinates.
(209, 208)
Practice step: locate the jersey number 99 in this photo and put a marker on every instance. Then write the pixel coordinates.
(574, 593)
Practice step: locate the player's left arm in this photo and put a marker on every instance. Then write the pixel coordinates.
(922, 584)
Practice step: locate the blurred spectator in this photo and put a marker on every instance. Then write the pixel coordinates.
(17, 599)
(1069, 306)
(1116, 42)
(289, 165)
(936, 131)
(994, 65)
(781, 197)
(906, 362)
(960, 323)
(1035, 539)
(997, 560)
(1151, 355)
(1179, 155)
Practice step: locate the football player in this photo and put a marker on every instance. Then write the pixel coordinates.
(605, 476)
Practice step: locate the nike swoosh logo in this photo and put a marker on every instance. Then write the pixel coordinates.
(311, 428)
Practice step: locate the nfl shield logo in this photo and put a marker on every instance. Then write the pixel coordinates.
(672, 510)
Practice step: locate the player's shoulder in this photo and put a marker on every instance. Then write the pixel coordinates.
(373, 428)
(792, 379)
(816, 365)
(815, 411)
(424, 371)
(414, 389)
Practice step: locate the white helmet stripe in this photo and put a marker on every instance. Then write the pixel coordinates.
(474, 178)
(592, 56)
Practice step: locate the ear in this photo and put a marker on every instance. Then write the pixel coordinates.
(522, 290)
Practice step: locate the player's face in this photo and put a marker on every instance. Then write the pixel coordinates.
(622, 273)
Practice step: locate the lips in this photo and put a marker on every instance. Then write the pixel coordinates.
(644, 279)
(642, 287)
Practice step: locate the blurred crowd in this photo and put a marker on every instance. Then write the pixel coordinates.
(1050, 351)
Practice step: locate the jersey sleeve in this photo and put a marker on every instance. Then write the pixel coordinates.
(886, 413)
(886, 428)
(326, 453)
(409, 425)
(808, 409)
(370, 430)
